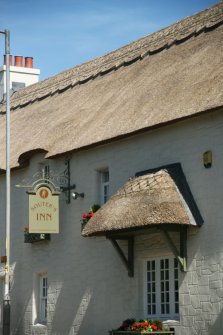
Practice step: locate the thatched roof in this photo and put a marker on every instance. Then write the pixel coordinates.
(155, 198)
(164, 77)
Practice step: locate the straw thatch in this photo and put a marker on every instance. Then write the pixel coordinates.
(144, 201)
(167, 76)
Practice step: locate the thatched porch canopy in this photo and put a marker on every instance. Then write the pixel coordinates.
(156, 198)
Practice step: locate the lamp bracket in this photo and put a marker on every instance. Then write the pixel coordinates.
(181, 255)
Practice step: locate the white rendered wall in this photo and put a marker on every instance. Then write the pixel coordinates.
(89, 289)
(25, 75)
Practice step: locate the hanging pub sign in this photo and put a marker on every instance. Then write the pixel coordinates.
(44, 210)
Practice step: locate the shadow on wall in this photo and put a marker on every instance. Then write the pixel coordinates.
(73, 314)
(217, 328)
(76, 309)
(18, 310)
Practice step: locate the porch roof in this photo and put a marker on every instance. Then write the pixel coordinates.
(160, 196)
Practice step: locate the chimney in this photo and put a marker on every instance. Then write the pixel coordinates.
(22, 73)
(18, 61)
(10, 60)
(29, 62)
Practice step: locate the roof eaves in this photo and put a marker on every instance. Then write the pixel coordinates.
(130, 134)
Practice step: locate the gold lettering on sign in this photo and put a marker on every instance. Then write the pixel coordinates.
(43, 217)
(43, 204)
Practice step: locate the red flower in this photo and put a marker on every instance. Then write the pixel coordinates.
(145, 324)
(86, 217)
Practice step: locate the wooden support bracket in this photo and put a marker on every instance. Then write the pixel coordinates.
(129, 260)
(181, 255)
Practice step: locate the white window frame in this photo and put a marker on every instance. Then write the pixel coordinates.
(173, 292)
(43, 299)
(104, 181)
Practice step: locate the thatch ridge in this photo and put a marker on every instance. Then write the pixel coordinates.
(146, 46)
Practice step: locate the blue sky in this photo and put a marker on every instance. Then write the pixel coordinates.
(60, 34)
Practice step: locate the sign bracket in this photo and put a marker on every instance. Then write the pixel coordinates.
(67, 189)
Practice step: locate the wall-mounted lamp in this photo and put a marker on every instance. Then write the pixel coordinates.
(76, 195)
(207, 159)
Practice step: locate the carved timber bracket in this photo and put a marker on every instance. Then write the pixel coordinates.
(181, 255)
(129, 259)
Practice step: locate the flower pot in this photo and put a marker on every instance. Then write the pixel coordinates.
(124, 332)
(32, 238)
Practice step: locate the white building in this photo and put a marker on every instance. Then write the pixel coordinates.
(22, 74)
(150, 111)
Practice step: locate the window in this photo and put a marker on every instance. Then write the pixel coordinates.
(104, 186)
(162, 288)
(17, 86)
(43, 299)
(45, 171)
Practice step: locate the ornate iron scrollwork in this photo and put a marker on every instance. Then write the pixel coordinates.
(60, 182)
(65, 185)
